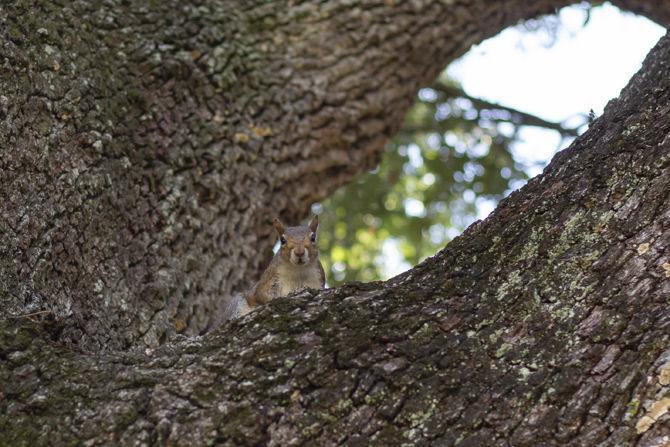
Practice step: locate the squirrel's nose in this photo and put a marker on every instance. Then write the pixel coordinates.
(299, 251)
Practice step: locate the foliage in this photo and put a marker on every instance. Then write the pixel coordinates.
(452, 159)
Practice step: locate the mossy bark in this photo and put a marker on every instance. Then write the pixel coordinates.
(135, 183)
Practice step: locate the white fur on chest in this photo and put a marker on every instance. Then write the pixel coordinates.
(292, 278)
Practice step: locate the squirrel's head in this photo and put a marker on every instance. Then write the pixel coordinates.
(298, 244)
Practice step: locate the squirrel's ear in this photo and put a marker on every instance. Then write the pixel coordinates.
(278, 226)
(314, 223)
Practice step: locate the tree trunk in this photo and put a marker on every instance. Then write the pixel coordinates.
(144, 148)
(546, 324)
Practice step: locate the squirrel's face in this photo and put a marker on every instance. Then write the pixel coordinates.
(298, 244)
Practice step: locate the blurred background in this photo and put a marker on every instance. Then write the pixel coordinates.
(490, 122)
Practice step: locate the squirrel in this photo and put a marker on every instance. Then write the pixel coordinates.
(295, 266)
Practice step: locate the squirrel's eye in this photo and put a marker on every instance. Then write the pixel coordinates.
(313, 237)
(282, 239)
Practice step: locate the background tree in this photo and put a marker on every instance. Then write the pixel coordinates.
(457, 155)
(451, 152)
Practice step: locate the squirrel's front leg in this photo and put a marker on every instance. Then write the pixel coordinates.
(261, 294)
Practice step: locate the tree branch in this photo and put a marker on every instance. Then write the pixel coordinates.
(546, 324)
(517, 117)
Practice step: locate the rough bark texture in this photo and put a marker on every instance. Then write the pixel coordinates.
(145, 145)
(546, 324)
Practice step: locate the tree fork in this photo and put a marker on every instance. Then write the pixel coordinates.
(546, 324)
(145, 145)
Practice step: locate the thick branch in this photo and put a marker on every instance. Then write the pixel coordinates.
(546, 324)
(146, 144)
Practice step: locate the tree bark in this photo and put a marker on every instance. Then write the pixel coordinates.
(143, 148)
(546, 324)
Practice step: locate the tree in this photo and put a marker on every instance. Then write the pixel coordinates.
(453, 153)
(138, 142)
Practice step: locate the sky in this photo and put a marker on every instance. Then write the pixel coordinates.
(586, 66)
